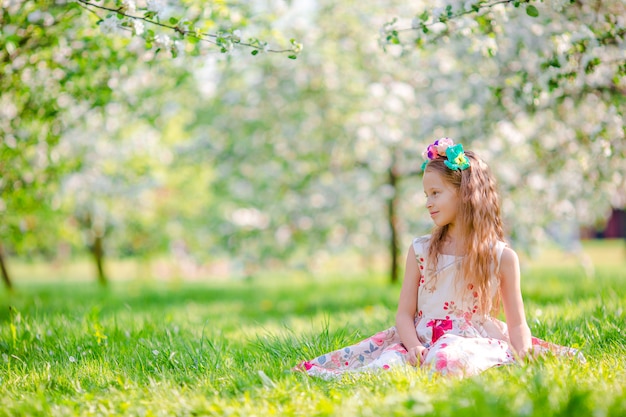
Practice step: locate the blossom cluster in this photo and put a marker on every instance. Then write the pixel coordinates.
(445, 148)
(437, 148)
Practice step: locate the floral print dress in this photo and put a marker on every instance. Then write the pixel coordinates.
(461, 342)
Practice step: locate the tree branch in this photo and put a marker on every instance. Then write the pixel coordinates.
(475, 9)
(86, 4)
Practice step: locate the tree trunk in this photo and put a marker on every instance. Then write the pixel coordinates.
(5, 273)
(392, 213)
(97, 250)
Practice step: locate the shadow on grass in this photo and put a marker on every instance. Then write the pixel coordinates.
(250, 301)
(258, 302)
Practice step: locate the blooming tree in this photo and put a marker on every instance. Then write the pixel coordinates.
(65, 66)
(180, 27)
(555, 75)
(278, 159)
(484, 75)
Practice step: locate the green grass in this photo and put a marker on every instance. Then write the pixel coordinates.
(151, 349)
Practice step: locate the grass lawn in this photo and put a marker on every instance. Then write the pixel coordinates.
(176, 348)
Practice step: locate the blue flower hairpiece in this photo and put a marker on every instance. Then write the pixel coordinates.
(456, 159)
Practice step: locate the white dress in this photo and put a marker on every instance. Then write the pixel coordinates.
(461, 341)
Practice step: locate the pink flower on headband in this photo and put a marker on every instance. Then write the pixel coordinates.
(443, 144)
(431, 151)
(445, 148)
(437, 149)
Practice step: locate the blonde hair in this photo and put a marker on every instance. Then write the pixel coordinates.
(479, 224)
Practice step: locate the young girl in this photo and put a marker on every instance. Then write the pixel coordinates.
(454, 282)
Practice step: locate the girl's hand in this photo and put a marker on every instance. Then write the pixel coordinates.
(528, 355)
(416, 355)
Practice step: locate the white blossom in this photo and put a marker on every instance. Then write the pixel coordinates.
(437, 12)
(227, 44)
(179, 47)
(110, 25)
(558, 5)
(250, 218)
(162, 41)
(157, 6)
(129, 5)
(489, 46)
(138, 27)
(11, 3)
(35, 16)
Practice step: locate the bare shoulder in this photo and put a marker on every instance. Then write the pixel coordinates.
(509, 257)
(509, 263)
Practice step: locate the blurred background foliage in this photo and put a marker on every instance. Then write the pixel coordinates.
(194, 141)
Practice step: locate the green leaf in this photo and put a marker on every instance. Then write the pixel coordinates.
(293, 57)
(424, 16)
(552, 84)
(532, 11)
(173, 20)
(254, 52)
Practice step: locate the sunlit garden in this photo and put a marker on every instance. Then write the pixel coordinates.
(227, 348)
(197, 196)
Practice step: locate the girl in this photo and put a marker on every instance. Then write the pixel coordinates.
(455, 280)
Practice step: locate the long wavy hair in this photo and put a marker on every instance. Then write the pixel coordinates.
(479, 224)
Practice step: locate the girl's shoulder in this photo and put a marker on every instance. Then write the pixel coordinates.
(420, 244)
(500, 247)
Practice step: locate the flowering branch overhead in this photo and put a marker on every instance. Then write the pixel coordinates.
(591, 50)
(440, 15)
(126, 16)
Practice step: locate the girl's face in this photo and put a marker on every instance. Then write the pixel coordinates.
(442, 200)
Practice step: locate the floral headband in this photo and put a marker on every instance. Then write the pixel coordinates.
(445, 148)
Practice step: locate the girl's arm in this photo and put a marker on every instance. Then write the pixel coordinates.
(407, 306)
(519, 332)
